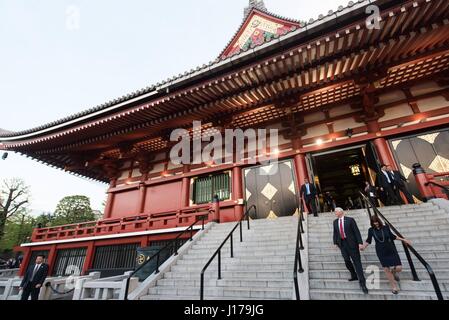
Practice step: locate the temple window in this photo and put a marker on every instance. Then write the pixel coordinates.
(205, 187)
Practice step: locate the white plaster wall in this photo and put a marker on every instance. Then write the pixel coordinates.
(341, 110)
(434, 103)
(390, 97)
(345, 124)
(316, 131)
(424, 87)
(314, 117)
(401, 110)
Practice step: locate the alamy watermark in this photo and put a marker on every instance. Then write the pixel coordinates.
(210, 146)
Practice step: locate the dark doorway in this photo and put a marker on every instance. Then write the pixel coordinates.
(342, 173)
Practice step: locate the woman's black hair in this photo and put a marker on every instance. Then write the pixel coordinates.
(375, 219)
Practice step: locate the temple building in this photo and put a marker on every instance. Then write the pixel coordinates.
(347, 92)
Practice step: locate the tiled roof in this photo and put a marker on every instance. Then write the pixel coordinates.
(178, 78)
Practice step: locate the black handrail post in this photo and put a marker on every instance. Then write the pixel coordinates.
(202, 224)
(191, 233)
(301, 244)
(202, 287)
(219, 264)
(300, 269)
(127, 288)
(410, 262)
(232, 245)
(241, 231)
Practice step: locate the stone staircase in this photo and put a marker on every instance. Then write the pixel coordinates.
(426, 225)
(262, 267)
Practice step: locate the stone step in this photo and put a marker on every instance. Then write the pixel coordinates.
(234, 275)
(255, 233)
(384, 285)
(260, 223)
(240, 260)
(441, 274)
(386, 211)
(363, 220)
(329, 294)
(438, 263)
(193, 255)
(327, 248)
(260, 243)
(405, 227)
(267, 293)
(372, 256)
(416, 242)
(235, 267)
(262, 283)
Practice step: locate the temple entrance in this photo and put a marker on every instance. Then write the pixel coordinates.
(343, 173)
(272, 189)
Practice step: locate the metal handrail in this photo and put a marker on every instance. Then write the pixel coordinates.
(299, 247)
(407, 249)
(218, 251)
(171, 244)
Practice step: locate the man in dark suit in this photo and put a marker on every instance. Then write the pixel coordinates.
(399, 182)
(348, 239)
(386, 185)
(34, 279)
(309, 194)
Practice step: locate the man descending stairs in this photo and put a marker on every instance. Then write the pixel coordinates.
(426, 225)
(262, 266)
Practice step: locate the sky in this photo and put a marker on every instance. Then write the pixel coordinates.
(59, 57)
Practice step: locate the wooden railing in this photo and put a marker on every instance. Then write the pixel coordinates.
(439, 182)
(164, 220)
(431, 185)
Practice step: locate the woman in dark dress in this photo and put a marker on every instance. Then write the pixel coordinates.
(386, 250)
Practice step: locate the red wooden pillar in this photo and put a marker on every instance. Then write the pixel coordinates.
(185, 189)
(25, 261)
(110, 201)
(237, 191)
(144, 242)
(301, 172)
(89, 257)
(142, 198)
(384, 152)
(51, 259)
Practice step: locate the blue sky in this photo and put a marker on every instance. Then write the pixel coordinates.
(59, 57)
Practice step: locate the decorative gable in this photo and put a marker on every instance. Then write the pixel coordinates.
(259, 27)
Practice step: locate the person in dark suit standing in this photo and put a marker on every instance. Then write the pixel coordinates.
(386, 185)
(348, 239)
(371, 192)
(399, 182)
(309, 194)
(34, 279)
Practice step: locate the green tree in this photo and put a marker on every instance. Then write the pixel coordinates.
(18, 230)
(73, 209)
(14, 196)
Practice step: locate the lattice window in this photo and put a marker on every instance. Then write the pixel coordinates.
(205, 188)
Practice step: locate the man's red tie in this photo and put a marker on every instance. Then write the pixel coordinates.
(342, 231)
